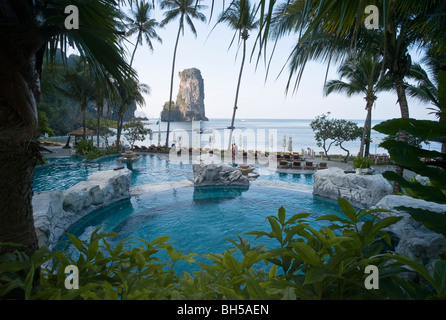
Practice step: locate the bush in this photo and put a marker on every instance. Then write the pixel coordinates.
(85, 146)
(306, 264)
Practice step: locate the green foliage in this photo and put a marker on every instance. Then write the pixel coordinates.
(306, 263)
(84, 147)
(362, 163)
(134, 131)
(175, 113)
(329, 132)
(43, 124)
(411, 158)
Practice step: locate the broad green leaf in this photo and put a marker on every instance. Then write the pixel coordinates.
(348, 210)
(110, 293)
(140, 261)
(276, 229)
(384, 223)
(92, 250)
(308, 254)
(282, 215)
(289, 294)
(299, 216)
(29, 283)
(317, 274)
(77, 243)
(440, 276)
(431, 220)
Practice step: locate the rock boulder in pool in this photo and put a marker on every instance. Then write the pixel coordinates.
(215, 175)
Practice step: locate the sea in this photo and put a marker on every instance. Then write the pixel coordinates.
(257, 134)
(251, 134)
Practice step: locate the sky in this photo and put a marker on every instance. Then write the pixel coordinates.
(259, 98)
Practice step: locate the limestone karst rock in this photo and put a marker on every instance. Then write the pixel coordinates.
(190, 99)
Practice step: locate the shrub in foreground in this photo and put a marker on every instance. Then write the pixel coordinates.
(306, 263)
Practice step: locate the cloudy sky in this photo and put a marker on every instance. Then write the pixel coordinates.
(259, 98)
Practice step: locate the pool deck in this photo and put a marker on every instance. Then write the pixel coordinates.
(59, 152)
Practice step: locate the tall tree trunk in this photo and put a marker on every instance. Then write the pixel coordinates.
(19, 96)
(366, 133)
(404, 107)
(236, 96)
(84, 125)
(100, 107)
(171, 81)
(136, 46)
(369, 131)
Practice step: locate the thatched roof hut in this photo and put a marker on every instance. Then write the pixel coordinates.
(80, 132)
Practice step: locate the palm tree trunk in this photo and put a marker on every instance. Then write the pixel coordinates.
(404, 107)
(100, 107)
(16, 181)
(19, 96)
(84, 126)
(136, 46)
(236, 96)
(171, 80)
(366, 133)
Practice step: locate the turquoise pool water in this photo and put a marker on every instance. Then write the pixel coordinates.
(62, 174)
(200, 221)
(197, 221)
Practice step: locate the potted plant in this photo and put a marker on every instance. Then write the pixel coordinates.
(362, 165)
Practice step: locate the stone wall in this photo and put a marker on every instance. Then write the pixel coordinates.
(363, 191)
(56, 211)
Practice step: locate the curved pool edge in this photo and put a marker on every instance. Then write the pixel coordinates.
(171, 185)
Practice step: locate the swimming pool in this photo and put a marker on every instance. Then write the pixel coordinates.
(61, 174)
(199, 220)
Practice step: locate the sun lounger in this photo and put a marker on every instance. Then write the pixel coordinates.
(309, 165)
(322, 166)
(297, 165)
(283, 164)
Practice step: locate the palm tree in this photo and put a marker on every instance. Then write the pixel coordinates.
(28, 31)
(185, 10)
(129, 94)
(80, 90)
(241, 17)
(364, 78)
(140, 23)
(426, 88)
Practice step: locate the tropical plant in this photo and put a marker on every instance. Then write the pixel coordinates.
(131, 93)
(427, 163)
(185, 11)
(30, 30)
(140, 23)
(80, 90)
(240, 16)
(427, 80)
(361, 163)
(306, 263)
(364, 77)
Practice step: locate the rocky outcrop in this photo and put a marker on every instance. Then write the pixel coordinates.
(190, 100)
(56, 211)
(218, 175)
(415, 240)
(362, 191)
